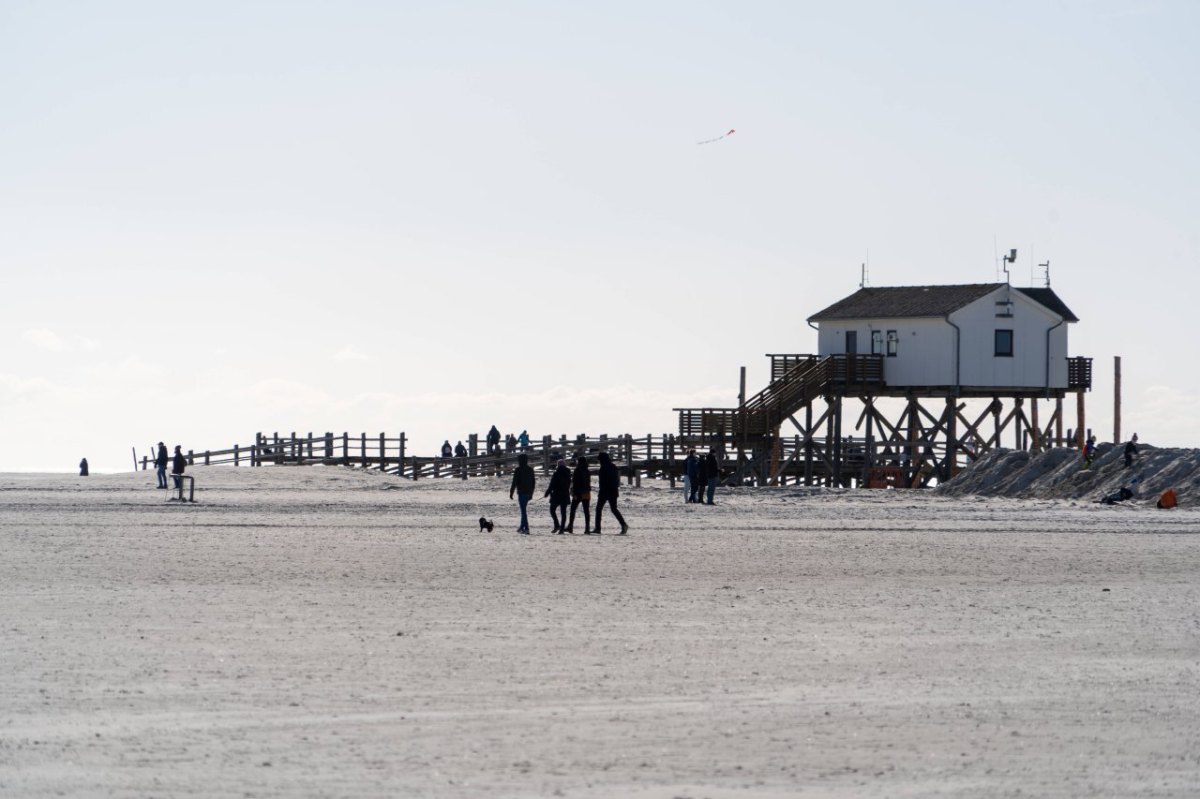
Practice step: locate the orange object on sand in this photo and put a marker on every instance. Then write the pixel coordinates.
(1167, 500)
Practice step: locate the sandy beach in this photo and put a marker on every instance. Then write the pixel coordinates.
(316, 631)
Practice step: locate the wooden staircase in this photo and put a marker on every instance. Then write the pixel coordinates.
(796, 381)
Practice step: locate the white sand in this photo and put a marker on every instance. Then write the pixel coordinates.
(322, 632)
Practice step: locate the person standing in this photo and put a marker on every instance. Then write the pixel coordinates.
(610, 488)
(493, 440)
(1131, 451)
(160, 464)
(523, 483)
(560, 496)
(523, 440)
(713, 473)
(1089, 452)
(691, 473)
(581, 494)
(83, 468)
(178, 466)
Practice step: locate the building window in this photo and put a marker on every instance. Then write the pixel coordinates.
(893, 343)
(1004, 343)
(877, 342)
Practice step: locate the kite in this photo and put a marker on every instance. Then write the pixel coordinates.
(719, 138)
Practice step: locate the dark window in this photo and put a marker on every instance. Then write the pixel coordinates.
(1004, 344)
(877, 342)
(893, 343)
(851, 342)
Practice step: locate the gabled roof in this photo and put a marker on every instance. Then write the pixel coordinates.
(906, 302)
(1049, 299)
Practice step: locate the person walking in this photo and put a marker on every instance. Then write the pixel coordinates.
(691, 473)
(701, 481)
(560, 496)
(160, 464)
(610, 488)
(523, 483)
(178, 466)
(1131, 451)
(713, 472)
(1089, 452)
(581, 494)
(493, 440)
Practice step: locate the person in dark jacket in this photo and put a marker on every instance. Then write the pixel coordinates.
(610, 488)
(83, 468)
(691, 473)
(701, 480)
(560, 496)
(581, 494)
(459, 450)
(160, 464)
(712, 471)
(523, 483)
(1131, 451)
(493, 440)
(447, 450)
(178, 465)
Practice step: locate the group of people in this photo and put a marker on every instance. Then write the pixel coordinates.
(573, 488)
(178, 464)
(1089, 451)
(511, 443)
(701, 474)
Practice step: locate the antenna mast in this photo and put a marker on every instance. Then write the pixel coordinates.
(1046, 266)
(1008, 259)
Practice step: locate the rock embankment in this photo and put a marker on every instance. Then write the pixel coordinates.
(1059, 474)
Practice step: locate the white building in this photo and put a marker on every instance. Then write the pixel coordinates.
(974, 337)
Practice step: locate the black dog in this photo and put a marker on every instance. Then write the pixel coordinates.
(484, 524)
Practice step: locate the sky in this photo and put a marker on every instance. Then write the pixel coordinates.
(227, 217)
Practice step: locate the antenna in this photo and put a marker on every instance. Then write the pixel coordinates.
(1046, 266)
(865, 277)
(1008, 259)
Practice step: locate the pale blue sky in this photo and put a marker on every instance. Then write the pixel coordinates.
(224, 217)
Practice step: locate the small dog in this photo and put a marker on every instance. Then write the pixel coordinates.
(484, 524)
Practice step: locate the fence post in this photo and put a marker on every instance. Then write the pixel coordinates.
(400, 473)
(310, 443)
(628, 459)
(191, 460)
(235, 455)
(144, 459)
(362, 448)
(206, 460)
(293, 448)
(254, 450)
(546, 444)
(382, 452)
(345, 448)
